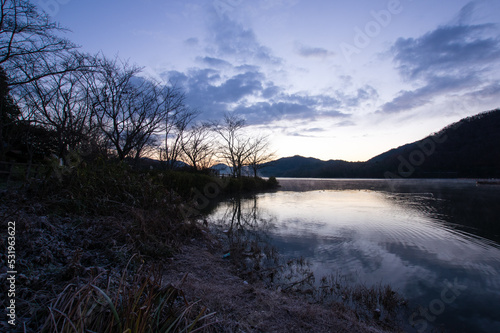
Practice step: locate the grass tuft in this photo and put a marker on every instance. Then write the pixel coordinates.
(141, 305)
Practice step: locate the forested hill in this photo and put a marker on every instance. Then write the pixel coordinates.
(468, 148)
(298, 166)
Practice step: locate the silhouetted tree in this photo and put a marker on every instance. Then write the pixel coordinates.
(259, 154)
(235, 147)
(177, 120)
(31, 46)
(197, 146)
(61, 103)
(132, 111)
(9, 113)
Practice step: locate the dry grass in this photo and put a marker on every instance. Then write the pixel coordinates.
(75, 272)
(379, 302)
(140, 305)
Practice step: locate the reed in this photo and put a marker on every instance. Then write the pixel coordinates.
(379, 302)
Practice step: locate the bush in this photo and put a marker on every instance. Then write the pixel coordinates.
(272, 182)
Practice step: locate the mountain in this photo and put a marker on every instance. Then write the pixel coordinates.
(308, 167)
(469, 148)
(296, 166)
(222, 169)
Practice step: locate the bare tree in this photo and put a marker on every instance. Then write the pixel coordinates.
(132, 111)
(31, 46)
(177, 120)
(9, 117)
(259, 153)
(126, 108)
(235, 147)
(197, 146)
(31, 50)
(60, 103)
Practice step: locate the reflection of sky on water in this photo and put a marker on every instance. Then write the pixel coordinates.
(365, 233)
(402, 239)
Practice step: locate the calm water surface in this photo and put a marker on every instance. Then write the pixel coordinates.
(437, 242)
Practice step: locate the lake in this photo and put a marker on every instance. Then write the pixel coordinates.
(436, 242)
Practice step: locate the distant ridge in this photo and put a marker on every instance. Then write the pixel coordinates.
(308, 167)
(469, 148)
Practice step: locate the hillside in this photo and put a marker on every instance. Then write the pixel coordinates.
(308, 167)
(469, 148)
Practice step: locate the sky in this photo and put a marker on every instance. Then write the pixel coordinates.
(327, 79)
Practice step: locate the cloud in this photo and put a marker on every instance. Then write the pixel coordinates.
(253, 96)
(457, 58)
(271, 91)
(213, 62)
(237, 87)
(361, 95)
(233, 78)
(175, 78)
(465, 15)
(290, 107)
(312, 52)
(346, 123)
(491, 90)
(211, 92)
(192, 41)
(194, 78)
(446, 49)
(315, 130)
(247, 68)
(231, 39)
(437, 86)
(265, 112)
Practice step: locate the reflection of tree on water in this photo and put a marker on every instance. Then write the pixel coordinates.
(248, 235)
(248, 243)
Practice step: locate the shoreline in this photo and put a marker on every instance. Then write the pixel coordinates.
(243, 306)
(58, 251)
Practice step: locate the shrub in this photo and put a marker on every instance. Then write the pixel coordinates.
(272, 182)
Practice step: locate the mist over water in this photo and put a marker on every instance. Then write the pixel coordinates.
(437, 242)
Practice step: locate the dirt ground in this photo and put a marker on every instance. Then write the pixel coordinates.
(243, 307)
